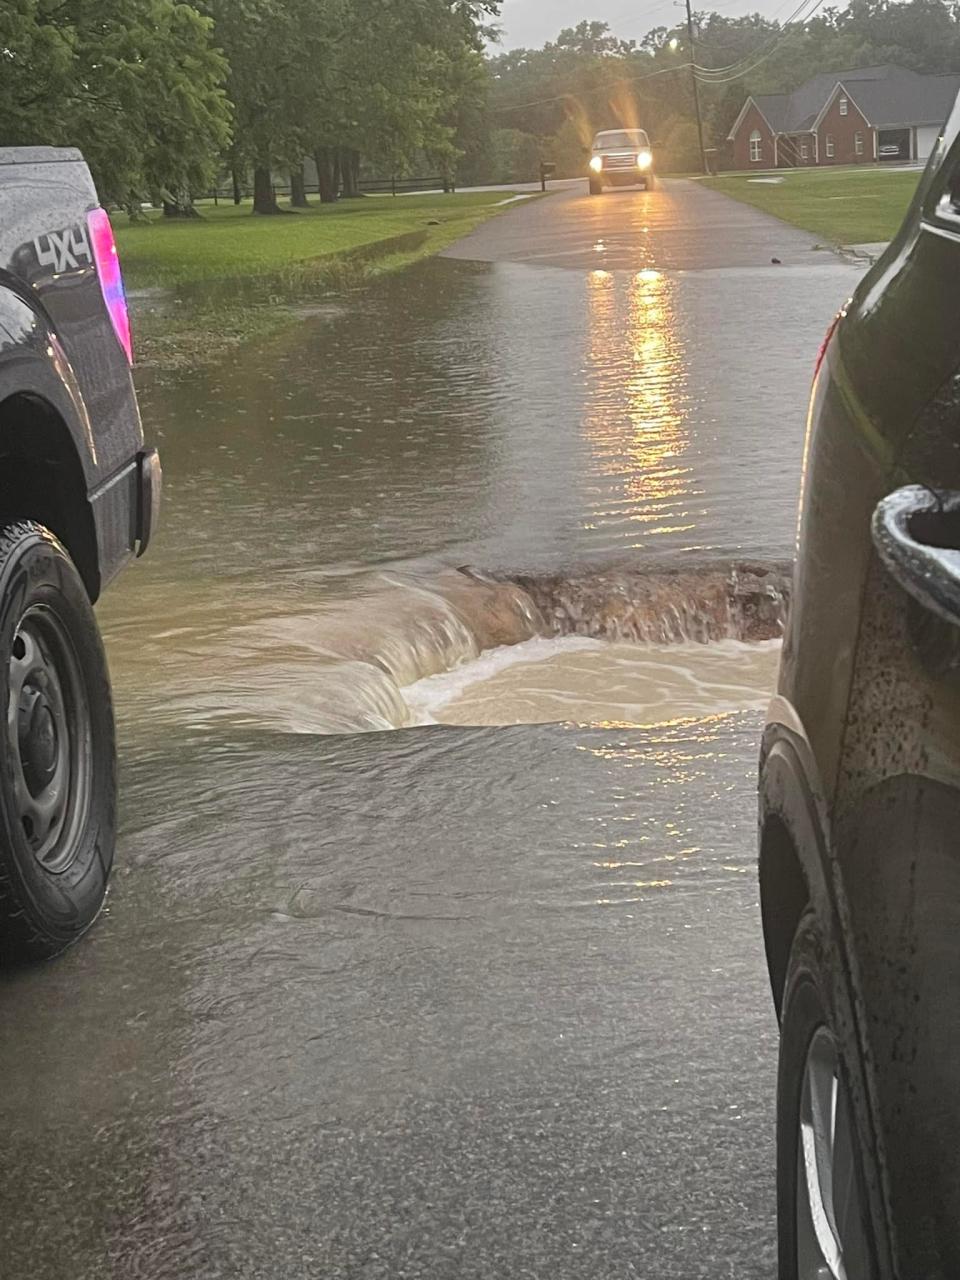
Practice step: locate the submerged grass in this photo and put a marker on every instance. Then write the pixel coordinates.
(229, 276)
(841, 206)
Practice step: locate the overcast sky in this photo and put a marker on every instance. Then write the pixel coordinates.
(531, 23)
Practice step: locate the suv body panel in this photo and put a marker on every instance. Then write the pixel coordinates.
(861, 754)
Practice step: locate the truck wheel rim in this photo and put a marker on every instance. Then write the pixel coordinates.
(829, 1208)
(49, 736)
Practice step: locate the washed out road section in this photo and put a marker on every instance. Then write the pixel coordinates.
(496, 413)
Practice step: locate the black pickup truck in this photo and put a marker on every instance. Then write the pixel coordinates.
(79, 497)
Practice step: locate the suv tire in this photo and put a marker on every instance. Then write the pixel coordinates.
(57, 749)
(596, 187)
(820, 1199)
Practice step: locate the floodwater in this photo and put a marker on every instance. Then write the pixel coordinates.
(322, 492)
(458, 1001)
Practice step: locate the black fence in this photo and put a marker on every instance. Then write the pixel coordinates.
(368, 186)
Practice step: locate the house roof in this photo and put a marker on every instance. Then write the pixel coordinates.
(889, 97)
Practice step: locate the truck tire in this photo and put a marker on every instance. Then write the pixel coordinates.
(596, 187)
(821, 1202)
(57, 749)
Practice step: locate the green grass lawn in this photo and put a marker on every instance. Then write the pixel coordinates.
(840, 206)
(228, 242)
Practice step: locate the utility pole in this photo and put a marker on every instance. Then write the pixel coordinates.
(696, 87)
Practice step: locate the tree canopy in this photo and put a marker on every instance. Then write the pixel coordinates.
(166, 96)
(163, 95)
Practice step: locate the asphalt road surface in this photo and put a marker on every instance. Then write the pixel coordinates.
(442, 1002)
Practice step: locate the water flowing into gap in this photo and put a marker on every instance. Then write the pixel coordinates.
(628, 647)
(399, 647)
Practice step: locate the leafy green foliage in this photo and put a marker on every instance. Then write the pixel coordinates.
(137, 84)
(149, 88)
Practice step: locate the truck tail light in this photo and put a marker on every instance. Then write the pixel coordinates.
(104, 248)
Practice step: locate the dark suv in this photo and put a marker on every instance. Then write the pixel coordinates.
(79, 496)
(860, 770)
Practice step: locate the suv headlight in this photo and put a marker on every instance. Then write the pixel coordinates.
(644, 159)
(596, 163)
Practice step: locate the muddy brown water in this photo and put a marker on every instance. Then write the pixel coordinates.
(551, 429)
(462, 1000)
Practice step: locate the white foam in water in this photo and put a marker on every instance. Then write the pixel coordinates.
(587, 681)
(426, 698)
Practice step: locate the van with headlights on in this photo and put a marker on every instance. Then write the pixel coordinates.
(621, 158)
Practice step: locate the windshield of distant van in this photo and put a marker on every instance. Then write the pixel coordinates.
(630, 138)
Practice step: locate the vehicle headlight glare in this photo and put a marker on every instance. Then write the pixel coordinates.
(596, 163)
(644, 160)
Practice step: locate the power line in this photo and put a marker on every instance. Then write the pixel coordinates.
(793, 16)
(705, 75)
(603, 88)
(643, 14)
(708, 75)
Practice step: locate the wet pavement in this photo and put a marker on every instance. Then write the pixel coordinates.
(445, 1001)
(441, 1003)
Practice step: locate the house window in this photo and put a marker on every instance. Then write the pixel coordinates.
(755, 140)
(843, 106)
(804, 151)
(858, 143)
(830, 147)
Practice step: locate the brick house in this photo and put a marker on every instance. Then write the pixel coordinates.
(863, 116)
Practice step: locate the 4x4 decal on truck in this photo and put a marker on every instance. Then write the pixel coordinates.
(63, 250)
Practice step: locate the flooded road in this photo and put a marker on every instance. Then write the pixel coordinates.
(451, 1001)
(498, 414)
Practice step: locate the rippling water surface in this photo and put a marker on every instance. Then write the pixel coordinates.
(463, 1001)
(497, 415)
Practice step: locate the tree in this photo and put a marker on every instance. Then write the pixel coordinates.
(268, 54)
(136, 84)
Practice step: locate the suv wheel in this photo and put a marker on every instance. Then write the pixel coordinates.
(57, 749)
(596, 187)
(820, 1200)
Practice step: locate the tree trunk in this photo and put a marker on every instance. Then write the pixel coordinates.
(350, 169)
(264, 199)
(337, 172)
(182, 207)
(237, 190)
(298, 192)
(323, 159)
